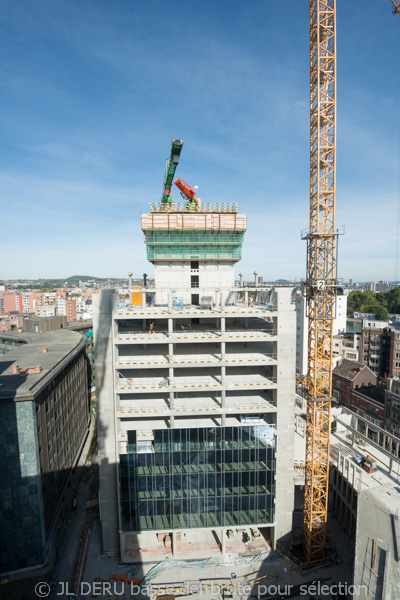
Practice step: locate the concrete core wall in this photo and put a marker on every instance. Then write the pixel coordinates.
(102, 330)
(286, 348)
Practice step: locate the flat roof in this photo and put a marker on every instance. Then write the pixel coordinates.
(62, 345)
(374, 392)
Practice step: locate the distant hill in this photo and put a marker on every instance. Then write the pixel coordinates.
(75, 278)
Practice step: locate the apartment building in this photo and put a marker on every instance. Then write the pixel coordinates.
(346, 345)
(338, 327)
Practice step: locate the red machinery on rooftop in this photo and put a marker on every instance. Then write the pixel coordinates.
(187, 191)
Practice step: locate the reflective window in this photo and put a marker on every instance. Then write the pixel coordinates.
(207, 477)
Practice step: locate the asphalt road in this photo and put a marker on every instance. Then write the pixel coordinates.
(67, 562)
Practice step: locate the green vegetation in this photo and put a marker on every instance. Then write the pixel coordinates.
(381, 303)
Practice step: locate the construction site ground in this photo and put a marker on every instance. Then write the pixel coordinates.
(267, 576)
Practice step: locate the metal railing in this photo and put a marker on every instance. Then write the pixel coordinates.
(235, 307)
(226, 207)
(192, 382)
(237, 405)
(165, 360)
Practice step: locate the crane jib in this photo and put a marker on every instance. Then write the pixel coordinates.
(172, 163)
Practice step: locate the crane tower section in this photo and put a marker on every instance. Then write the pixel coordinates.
(321, 272)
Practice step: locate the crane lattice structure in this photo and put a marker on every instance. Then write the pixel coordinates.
(396, 4)
(321, 272)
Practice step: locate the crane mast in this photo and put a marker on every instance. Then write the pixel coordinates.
(321, 272)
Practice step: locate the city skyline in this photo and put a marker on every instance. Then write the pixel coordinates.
(92, 95)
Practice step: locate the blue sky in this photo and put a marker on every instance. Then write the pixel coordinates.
(92, 91)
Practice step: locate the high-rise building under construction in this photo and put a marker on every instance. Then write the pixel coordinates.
(195, 383)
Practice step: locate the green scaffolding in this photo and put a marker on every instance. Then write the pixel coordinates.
(188, 245)
(194, 253)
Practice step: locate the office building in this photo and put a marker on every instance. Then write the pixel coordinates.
(45, 419)
(195, 384)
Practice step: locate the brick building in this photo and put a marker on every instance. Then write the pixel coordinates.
(392, 406)
(369, 402)
(350, 375)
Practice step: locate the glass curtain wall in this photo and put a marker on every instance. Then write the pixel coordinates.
(206, 477)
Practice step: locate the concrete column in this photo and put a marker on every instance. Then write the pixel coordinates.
(222, 301)
(143, 298)
(170, 326)
(246, 299)
(174, 543)
(170, 350)
(223, 375)
(223, 542)
(223, 399)
(223, 346)
(353, 437)
(223, 420)
(172, 421)
(222, 324)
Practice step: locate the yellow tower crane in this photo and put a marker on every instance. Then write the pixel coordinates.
(321, 271)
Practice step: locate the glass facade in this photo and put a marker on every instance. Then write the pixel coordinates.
(200, 477)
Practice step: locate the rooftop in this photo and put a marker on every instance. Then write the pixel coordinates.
(47, 352)
(374, 392)
(349, 369)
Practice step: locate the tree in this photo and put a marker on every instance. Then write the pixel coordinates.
(379, 311)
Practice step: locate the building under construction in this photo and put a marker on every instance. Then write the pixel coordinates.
(195, 384)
